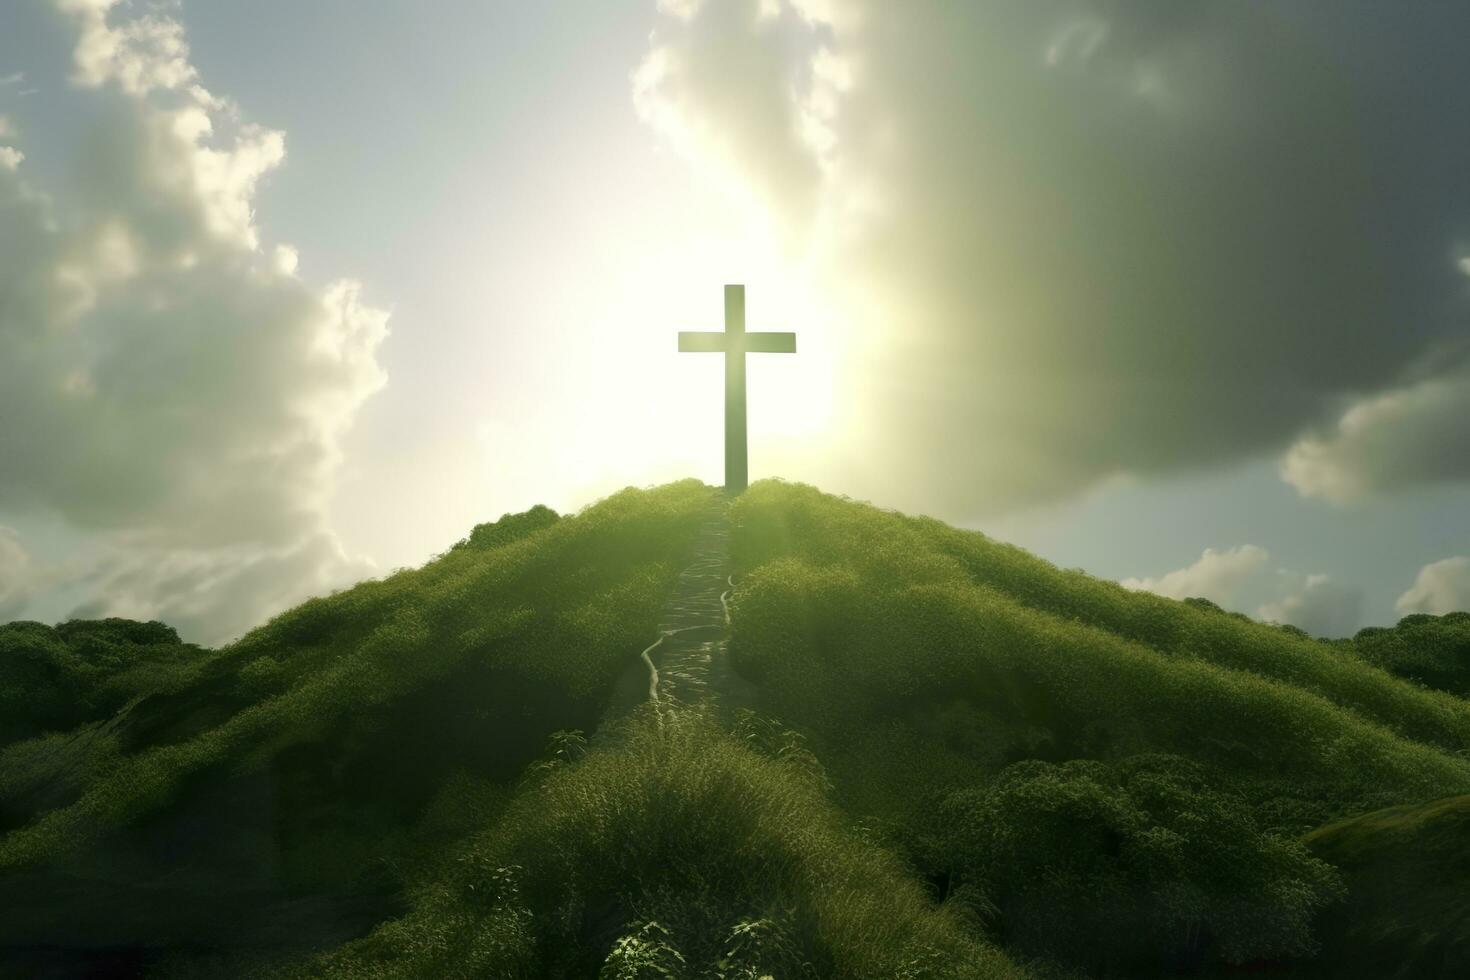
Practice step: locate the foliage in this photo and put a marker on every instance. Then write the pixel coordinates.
(53, 679)
(1134, 868)
(1408, 912)
(312, 761)
(858, 621)
(674, 850)
(643, 954)
(921, 661)
(949, 744)
(510, 527)
(1430, 650)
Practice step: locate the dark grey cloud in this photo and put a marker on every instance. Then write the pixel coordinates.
(1109, 237)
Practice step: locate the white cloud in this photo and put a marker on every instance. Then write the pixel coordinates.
(140, 54)
(1410, 436)
(1231, 577)
(166, 384)
(1442, 587)
(1217, 575)
(728, 91)
(220, 593)
(1318, 604)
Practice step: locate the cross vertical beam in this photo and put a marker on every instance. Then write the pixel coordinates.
(735, 343)
(737, 458)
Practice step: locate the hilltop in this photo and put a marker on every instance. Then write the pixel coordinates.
(947, 758)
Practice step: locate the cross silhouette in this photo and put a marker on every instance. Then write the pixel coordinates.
(735, 343)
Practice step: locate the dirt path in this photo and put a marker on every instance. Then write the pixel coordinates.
(687, 663)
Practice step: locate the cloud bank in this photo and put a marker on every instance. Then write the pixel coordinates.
(15, 575)
(168, 385)
(1411, 436)
(1082, 238)
(1442, 587)
(1217, 576)
(1316, 603)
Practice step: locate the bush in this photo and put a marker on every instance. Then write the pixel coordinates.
(1429, 650)
(673, 851)
(1139, 867)
(510, 527)
(53, 679)
(856, 621)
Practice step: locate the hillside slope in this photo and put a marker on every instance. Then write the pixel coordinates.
(1408, 868)
(958, 761)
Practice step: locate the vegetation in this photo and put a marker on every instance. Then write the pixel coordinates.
(960, 762)
(54, 679)
(1408, 868)
(1430, 650)
(675, 850)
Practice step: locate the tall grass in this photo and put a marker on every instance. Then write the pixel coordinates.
(559, 608)
(849, 615)
(680, 848)
(777, 519)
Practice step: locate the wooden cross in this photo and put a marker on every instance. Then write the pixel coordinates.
(735, 343)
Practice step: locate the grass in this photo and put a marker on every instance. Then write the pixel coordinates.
(853, 619)
(1408, 870)
(347, 736)
(676, 845)
(963, 762)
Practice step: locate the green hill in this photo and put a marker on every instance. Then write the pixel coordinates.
(947, 759)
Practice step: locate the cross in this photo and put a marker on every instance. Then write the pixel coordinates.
(735, 343)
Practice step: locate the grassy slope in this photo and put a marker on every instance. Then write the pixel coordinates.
(330, 727)
(363, 758)
(1408, 871)
(923, 660)
(986, 653)
(686, 851)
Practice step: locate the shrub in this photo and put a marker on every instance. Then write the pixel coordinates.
(1430, 650)
(1139, 867)
(673, 850)
(510, 527)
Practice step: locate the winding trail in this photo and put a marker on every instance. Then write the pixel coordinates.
(688, 662)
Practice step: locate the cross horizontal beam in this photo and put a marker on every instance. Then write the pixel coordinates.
(711, 342)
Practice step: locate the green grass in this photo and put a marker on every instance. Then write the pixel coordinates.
(1408, 870)
(922, 661)
(963, 762)
(737, 859)
(376, 695)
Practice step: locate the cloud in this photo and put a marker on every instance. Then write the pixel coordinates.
(1442, 587)
(1319, 605)
(16, 584)
(1411, 436)
(1316, 603)
(219, 593)
(1217, 575)
(167, 384)
(1075, 239)
(724, 91)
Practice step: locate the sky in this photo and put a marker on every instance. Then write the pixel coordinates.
(295, 292)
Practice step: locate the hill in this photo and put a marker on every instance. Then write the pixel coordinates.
(947, 758)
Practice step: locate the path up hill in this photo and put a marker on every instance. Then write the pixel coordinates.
(884, 748)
